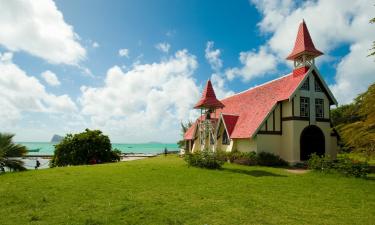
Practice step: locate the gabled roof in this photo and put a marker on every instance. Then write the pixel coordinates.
(252, 107)
(208, 99)
(303, 44)
(229, 122)
(189, 134)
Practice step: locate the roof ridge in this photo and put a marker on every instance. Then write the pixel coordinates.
(230, 114)
(257, 86)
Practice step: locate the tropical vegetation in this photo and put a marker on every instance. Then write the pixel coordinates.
(355, 123)
(342, 165)
(88, 147)
(9, 151)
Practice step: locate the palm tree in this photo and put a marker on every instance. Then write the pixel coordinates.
(9, 150)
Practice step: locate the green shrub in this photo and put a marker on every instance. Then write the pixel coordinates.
(320, 163)
(243, 158)
(343, 165)
(204, 159)
(349, 167)
(221, 155)
(269, 159)
(88, 147)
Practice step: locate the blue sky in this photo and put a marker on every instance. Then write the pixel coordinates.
(170, 48)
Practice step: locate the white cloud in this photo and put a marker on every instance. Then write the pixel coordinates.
(213, 56)
(124, 52)
(146, 102)
(219, 86)
(339, 23)
(163, 47)
(38, 27)
(20, 93)
(50, 78)
(95, 44)
(255, 64)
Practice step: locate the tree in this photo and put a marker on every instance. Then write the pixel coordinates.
(359, 134)
(9, 150)
(184, 128)
(90, 146)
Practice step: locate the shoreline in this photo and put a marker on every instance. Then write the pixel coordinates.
(30, 160)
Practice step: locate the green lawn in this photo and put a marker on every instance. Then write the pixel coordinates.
(164, 190)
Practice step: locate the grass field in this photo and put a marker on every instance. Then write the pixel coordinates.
(164, 190)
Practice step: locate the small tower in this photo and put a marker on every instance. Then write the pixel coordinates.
(207, 122)
(304, 51)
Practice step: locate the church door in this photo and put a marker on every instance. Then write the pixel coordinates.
(312, 141)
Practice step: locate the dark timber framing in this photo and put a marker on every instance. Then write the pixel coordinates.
(274, 131)
(293, 106)
(270, 132)
(295, 118)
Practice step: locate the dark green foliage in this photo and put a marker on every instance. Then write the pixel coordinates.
(320, 163)
(355, 124)
(243, 158)
(8, 150)
(343, 165)
(204, 159)
(87, 147)
(269, 159)
(345, 114)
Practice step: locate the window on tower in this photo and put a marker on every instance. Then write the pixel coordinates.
(304, 106)
(319, 108)
(305, 85)
(317, 86)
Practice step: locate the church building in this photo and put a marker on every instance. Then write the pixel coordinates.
(288, 116)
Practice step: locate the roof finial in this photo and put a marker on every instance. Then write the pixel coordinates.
(304, 44)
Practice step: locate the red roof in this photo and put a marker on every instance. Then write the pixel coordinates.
(189, 134)
(253, 106)
(230, 122)
(208, 99)
(303, 44)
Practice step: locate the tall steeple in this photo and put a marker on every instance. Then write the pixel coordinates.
(304, 51)
(207, 122)
(208, 99)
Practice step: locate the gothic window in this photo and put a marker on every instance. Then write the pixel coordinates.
(319, 108)
(317, 86)
(225, 138)
(305, 85)
(304, 106)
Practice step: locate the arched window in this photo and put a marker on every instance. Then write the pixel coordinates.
(225, 138)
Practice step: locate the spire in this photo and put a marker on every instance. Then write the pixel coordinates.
(208, 99)
(304, 44)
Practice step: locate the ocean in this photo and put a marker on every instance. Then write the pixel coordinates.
(47, 148)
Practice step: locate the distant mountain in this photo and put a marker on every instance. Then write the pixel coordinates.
(56, 138)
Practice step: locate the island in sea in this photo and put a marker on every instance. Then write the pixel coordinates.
(56, 138)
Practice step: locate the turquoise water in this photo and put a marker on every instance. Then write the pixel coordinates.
(47, 148)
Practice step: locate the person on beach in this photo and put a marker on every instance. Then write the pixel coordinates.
(37, 164)
(165, 151)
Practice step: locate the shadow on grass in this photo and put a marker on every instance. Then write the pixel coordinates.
(254, 173)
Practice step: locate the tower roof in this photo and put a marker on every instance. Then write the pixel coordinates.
(208, 99)
(303, 44)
